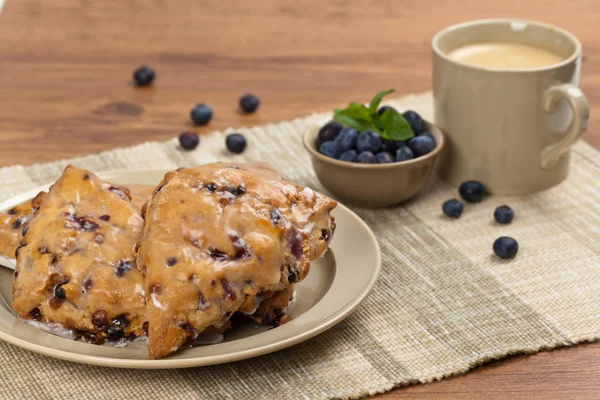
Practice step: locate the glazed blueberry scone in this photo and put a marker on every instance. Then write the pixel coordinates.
(75, 264)
(217, 234)
(15, 220)
(273, 308)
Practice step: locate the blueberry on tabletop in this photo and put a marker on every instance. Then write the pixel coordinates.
(471, 191)
(452, 208)
(249, 103)
(384, 157)
(201, 114)
(349, 156)
(404, 153)
(144, 75)
(189, 140)
(504, 214)
(236, 143)
(383, 108)
(421, 145)
(416, 122)
(329, 149)
(506, 247)
(368, 141)
(366, 157)
(346, 140)
(328, 132)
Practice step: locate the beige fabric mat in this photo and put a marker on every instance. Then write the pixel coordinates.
(443, 303)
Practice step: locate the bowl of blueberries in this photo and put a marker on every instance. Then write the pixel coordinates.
(374, 156)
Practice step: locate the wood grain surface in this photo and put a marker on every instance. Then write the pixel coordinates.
(65, 90)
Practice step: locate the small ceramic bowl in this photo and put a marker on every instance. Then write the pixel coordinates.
(373, 185)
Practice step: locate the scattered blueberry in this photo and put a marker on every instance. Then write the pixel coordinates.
(249, 103)
(329, 149)
(349, 156)
(189, 140)
(504, 215)
(368, 141)
(421, 145)
(416, 122)
(144, 75)
(328, 132)
(452, 208)
(384, 157)
(471, 191)
(201, 114)
(383, 108)
(366, 157)
(236, 143)
(506, 247)
(404, 153)
(346, 140)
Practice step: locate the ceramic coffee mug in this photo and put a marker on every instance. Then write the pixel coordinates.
(510, 129)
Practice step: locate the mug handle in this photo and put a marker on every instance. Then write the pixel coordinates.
(581, 116)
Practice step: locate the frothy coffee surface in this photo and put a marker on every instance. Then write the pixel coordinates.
(505, 55)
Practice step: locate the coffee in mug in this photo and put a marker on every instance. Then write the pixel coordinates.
(505, 55)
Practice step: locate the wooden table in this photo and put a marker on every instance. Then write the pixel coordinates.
(65, 90)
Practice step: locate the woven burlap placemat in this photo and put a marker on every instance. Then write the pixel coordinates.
(443, 303)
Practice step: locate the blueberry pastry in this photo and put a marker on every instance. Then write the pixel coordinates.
(218, 234)
(75, 264)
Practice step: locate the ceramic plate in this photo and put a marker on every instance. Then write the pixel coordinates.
(335, 286)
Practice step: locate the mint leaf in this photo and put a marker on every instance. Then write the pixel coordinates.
(374, 104)
(358, 124)
(394, 126)
(355, 115)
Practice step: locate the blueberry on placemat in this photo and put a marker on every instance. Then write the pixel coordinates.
(144, 75)
(328, 132)
(236, 143)
(249, 103)
(329, 149)
(505, 247)
(366, 157)
(201, 114)
(471, 191)
(368, 141)
(452, 208)
(421, 145)
(416, 122)
(504, 214)
(189, 140)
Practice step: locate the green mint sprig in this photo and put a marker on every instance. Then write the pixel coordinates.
(390, 125)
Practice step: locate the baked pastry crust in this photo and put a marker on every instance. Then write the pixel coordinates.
(75, 264)
(217, 234)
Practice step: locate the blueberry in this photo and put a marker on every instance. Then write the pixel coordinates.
(404, 153)
(349, 156)
(368, 141)
(346, 140)
(471, 191)
(383, 108)
(189, 140)
(504, 215)
(144, 75)
(366, 157)
(421, 145)
(328, 132)
(384, 157)
(249, 103)
(506, 247)
(452, 208)
(201, 114)
(429, 135)
(329, 149)
(416, 122)
(236, 143)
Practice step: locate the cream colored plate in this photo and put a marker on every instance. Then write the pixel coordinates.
(335, 286)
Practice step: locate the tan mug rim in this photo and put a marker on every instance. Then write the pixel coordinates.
(448, 30)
